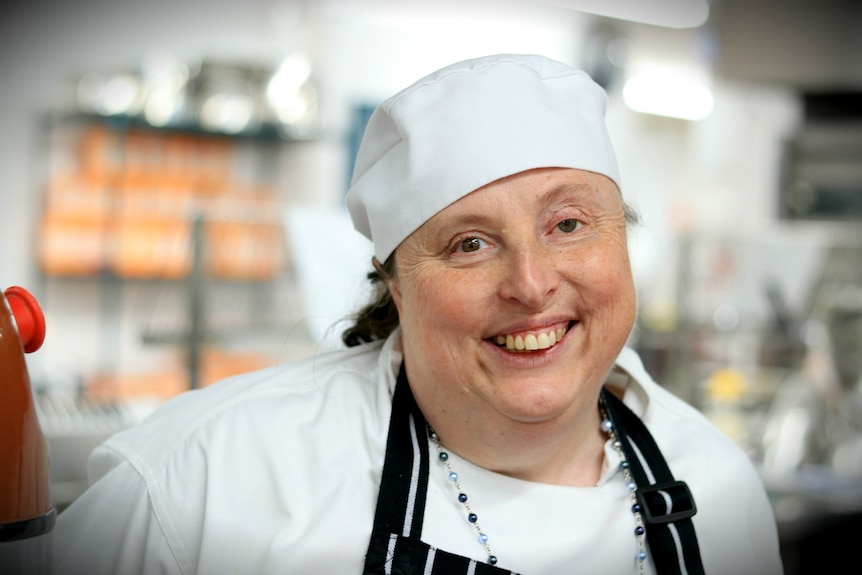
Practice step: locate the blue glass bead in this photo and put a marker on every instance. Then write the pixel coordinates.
(444, 456)
(639, 530)
(492, 559)
(625, 464)
(483, 538)
(453, 476)
(631, 486)
(472, 518)
(462, 497)
(637, 508)
(642, 556)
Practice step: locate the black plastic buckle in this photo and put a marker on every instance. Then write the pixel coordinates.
(654, 504)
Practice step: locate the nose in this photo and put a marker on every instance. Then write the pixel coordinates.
(530, 276)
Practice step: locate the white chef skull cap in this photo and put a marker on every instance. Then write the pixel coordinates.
(465, 126)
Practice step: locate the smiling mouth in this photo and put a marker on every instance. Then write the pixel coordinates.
(530, 341)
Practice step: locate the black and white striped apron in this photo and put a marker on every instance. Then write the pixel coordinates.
(396, 547)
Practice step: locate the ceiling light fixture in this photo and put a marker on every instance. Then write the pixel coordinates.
(667, 13)
(668, 94)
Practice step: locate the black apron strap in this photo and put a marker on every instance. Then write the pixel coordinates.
(395, 547)
(405, 470)
(667, 504)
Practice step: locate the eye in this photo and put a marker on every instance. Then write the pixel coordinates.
(472, 245)
(568, 225)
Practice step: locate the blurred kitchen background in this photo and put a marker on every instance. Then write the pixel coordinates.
(172, 177)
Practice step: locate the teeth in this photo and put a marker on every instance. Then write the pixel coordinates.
(544, 342)
(531, 342)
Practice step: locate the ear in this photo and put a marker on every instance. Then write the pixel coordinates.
(395, 291)
(391, 283)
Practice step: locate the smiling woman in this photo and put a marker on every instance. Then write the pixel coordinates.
(491, 194)
(547, 254)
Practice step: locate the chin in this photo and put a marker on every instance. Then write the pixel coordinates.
(538, 402)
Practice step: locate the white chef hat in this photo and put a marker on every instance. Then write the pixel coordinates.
(465, 126)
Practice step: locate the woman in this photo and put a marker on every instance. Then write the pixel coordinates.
(474, 425)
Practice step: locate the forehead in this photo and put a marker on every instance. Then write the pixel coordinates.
(539, 188)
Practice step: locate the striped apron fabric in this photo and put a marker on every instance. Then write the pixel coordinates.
(396, 547)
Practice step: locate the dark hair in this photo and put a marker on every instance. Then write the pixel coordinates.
(378, 319)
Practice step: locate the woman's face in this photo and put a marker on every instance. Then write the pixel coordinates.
(515, 300)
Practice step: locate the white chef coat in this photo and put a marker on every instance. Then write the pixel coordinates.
(277, 471)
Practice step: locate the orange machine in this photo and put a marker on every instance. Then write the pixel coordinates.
(27, 516)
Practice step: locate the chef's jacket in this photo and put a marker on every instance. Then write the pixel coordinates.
(277, 472)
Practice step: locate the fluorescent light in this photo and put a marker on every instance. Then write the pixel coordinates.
(667, 13)
(227, 112)
(120, 94)
(666, 94)
(290, 92)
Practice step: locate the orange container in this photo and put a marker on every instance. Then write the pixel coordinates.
(26, 513)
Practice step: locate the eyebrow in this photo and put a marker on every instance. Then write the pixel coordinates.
(554, 195)
(465, 220)
(568, 188)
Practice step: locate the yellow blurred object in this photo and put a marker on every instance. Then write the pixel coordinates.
(726, 385)
(169, 381)
(660, 315)
(72, 245)
(219, 364)
(725, 389)
(160, 385)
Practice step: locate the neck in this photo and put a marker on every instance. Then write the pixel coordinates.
(567, 450)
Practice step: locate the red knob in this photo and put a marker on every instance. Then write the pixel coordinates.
(28, 317)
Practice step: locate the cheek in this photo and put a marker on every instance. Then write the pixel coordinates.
(449, 303)
(425, 302)
(606, 276)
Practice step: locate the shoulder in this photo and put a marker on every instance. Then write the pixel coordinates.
(696, 450)
(265, 402)
(734, 521)
(257, 449)
(679, 428)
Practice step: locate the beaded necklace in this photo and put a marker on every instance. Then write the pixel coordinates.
(607, 428)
